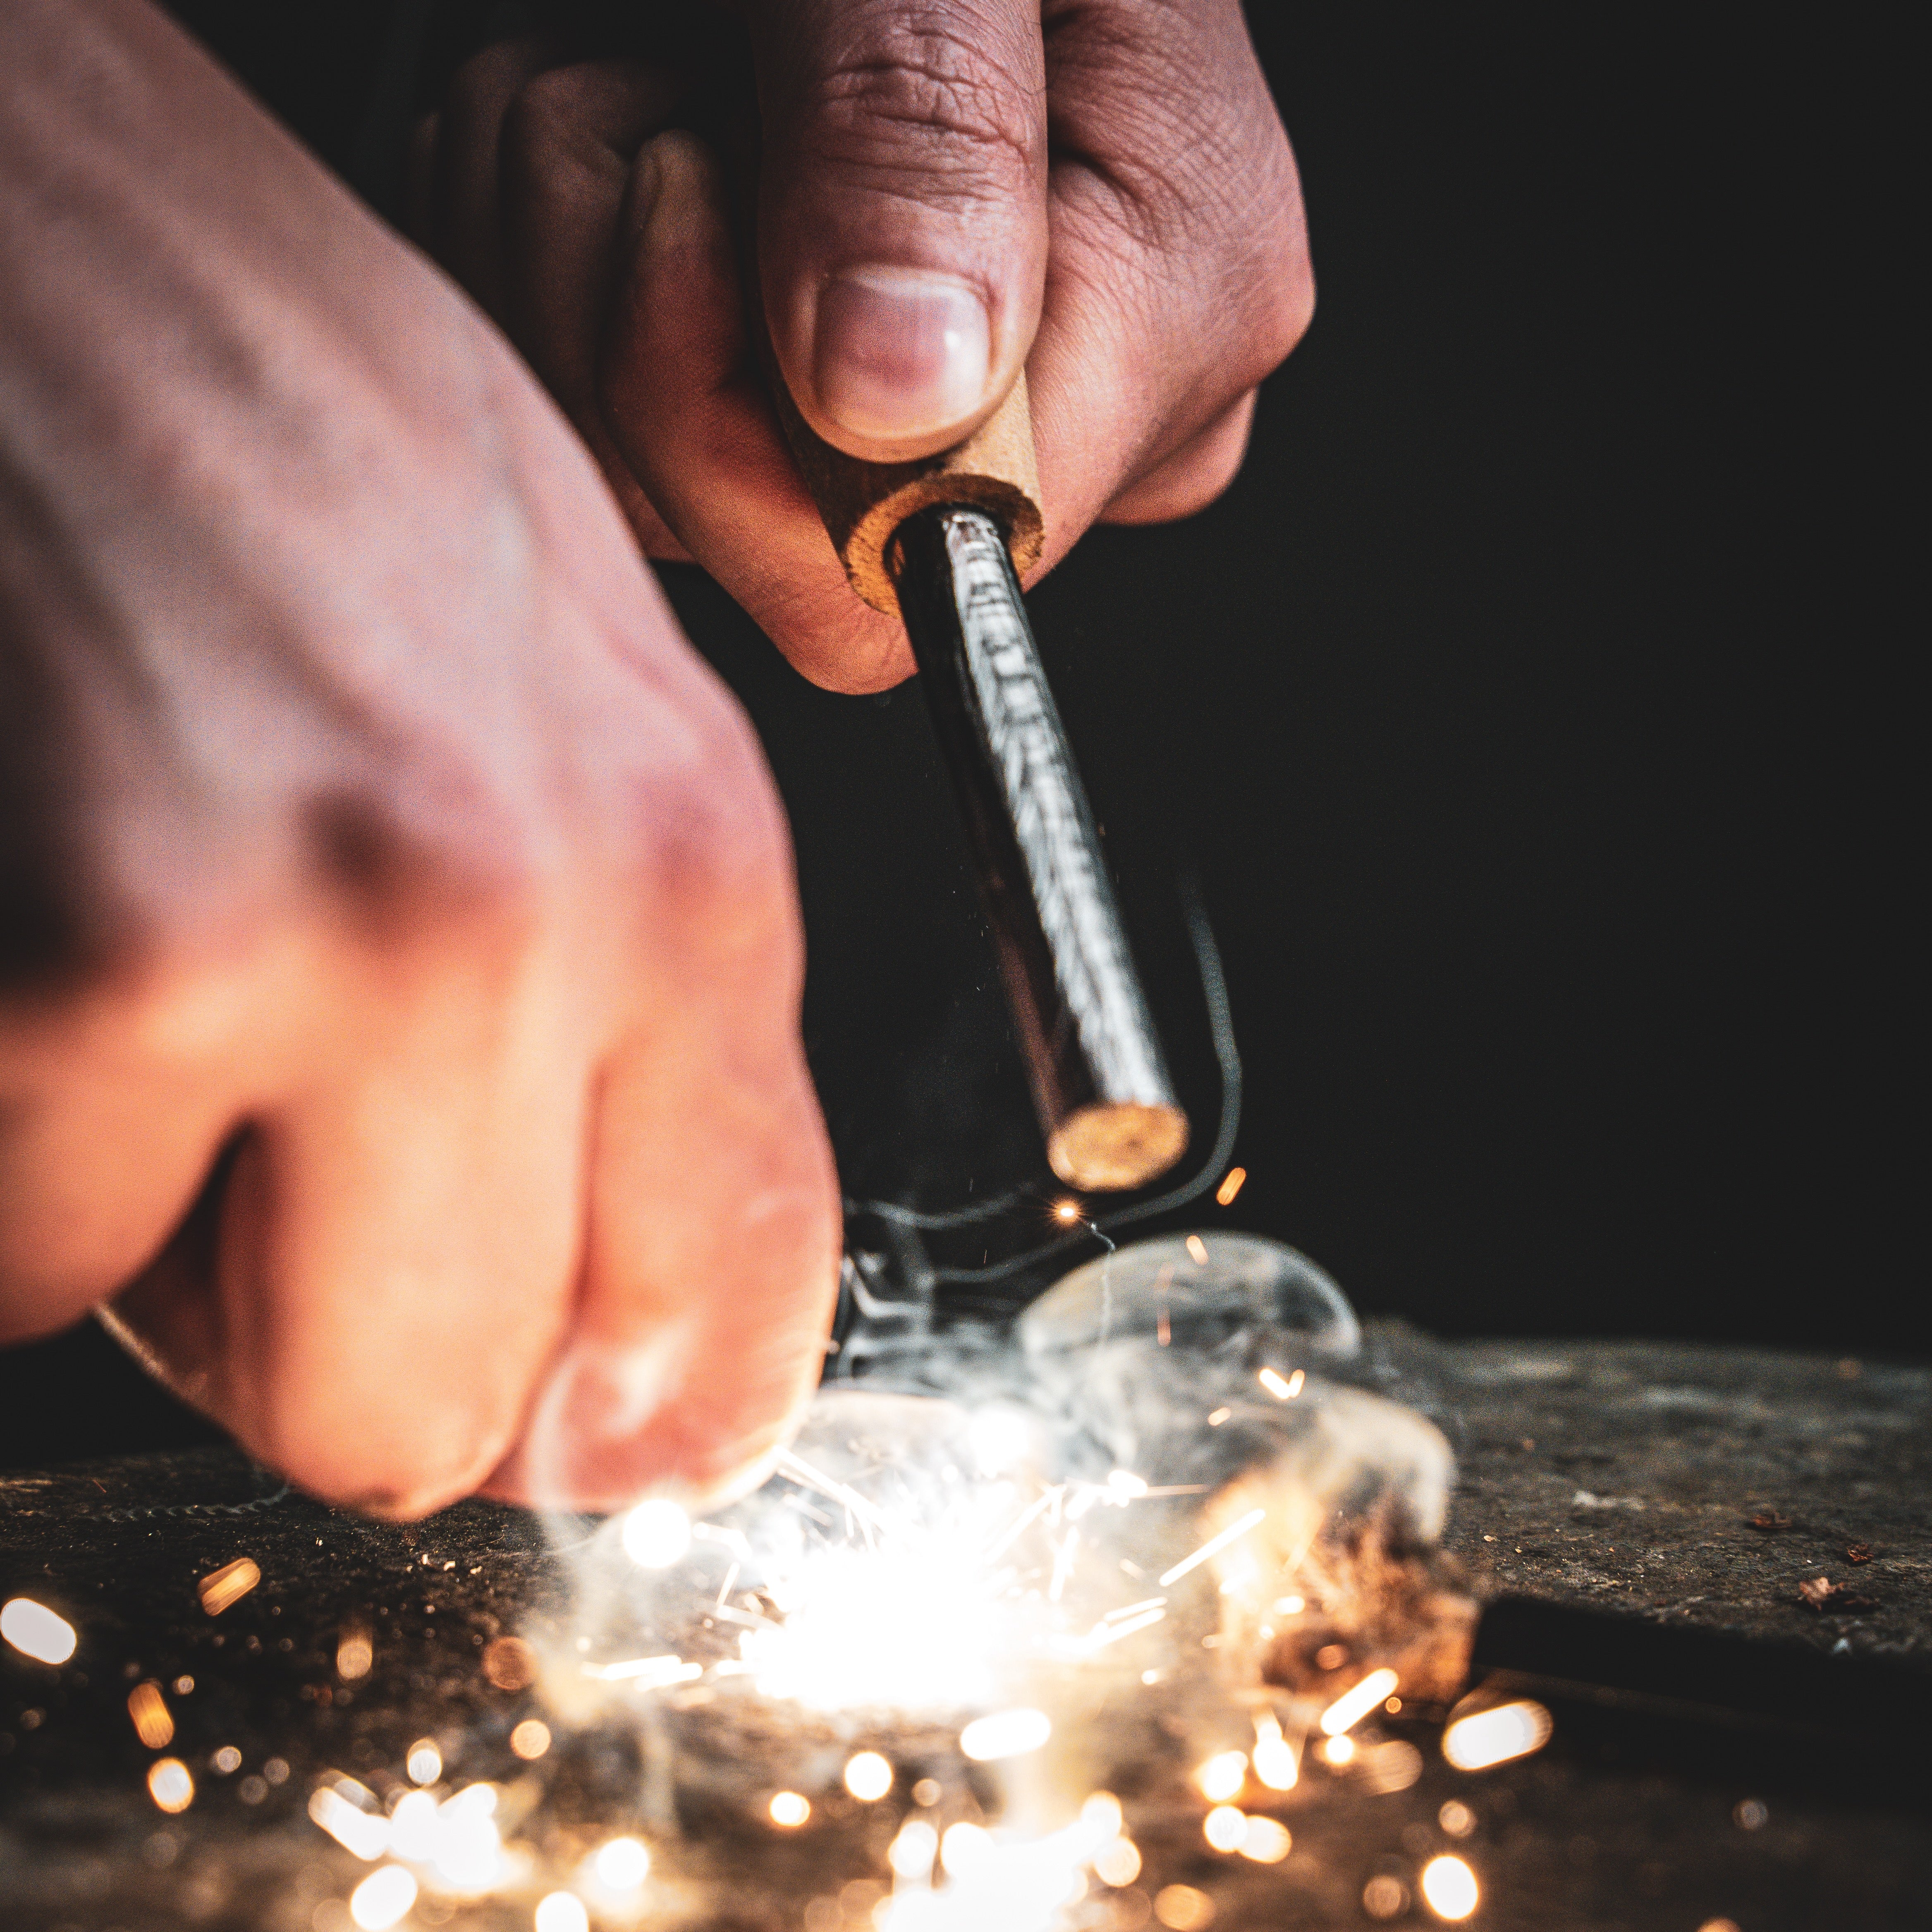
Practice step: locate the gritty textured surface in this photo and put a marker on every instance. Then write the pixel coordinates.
(1604, 1474)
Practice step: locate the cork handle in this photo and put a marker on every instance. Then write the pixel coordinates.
(863, 503)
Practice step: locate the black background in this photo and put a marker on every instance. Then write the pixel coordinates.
(1532, 711)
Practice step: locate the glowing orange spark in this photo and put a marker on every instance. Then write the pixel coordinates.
(221, 1588)
(1214, 1546)
(1224, 1194)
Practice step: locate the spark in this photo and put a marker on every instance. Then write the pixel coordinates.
(624, 1864)
(1163, 1328)
(1283, 1388)
(1338, 1750)
(561, 1912)
(1068, 1211)
(912, 1854)
(38, 1632)
(170, 1784)
(148, 1709)
(531, 1738)
(355, 1655)
(1495, 1736)
(1354, 1705)
(1274, 1756)
(789, 1810)
(1214, 1546)
(1197, 1249)
(868, 1777)
(346, 1811)
(656, 1534)
(1266, 1840)
(1456, 1819)
(425, 1761)
(1005, 1734)
(222, 1588)
(468, 1854)
(1224, 1828)
(646, 1673)
(1230, 1187)
(1118, 1863)
(227, 1760)
(1182, 1908)
(382, 1898)
(1128, 1485)
(1222, 1776)
(1063, 1565)
(863, 1513)
(1219, 1416)
(1450, 1887)
(509, 1663)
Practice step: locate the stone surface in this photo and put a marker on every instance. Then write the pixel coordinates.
(1605, 1474)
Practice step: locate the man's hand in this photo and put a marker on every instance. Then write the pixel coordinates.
(1098, 189)
(400, 961)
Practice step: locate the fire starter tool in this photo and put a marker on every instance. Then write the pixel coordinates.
(939, 544)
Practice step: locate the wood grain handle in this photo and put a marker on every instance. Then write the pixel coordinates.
(863, 503)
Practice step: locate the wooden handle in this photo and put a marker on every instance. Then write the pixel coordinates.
(863, 503)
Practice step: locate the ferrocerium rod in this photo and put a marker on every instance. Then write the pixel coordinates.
(1099, 1081)
(937, 542)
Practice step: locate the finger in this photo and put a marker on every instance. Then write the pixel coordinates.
(1179, 275)
(902, 232)
(712, 1256)
(373, 1292)
(1194, 476)
(466, 230)
(110, 1120)
(689, 416)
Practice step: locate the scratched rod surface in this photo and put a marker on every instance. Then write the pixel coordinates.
(1100, 1080)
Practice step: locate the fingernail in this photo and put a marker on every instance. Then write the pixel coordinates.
(900, 352)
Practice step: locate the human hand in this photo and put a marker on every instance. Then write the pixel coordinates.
(1100, 192)
(398, 1006)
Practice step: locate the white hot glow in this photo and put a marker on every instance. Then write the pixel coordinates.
(561, 1912)
(1221, 1777)
(36, 1631)
(1354, 1704)
(1005, 1734)
(425, 1761)
(868, 1777)
(382, 1898)
(622, 1864)
(1225, 1829)
(657, 1534)
(1450, 1887)
(1495, 1736)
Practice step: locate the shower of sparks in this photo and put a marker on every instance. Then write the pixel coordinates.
(1231, 1186)
(153, 1724)
(1491, 1737)
(222, 1588)
(36, 1631)
(1450, 1887)
(1354, 1705)
(1283, 1388)
(1214, 1546)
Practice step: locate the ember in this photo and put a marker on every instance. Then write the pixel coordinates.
(222, 1588)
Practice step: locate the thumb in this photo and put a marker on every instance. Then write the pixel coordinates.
(902, 212)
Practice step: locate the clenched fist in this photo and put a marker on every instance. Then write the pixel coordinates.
(943, 193)
(399, 1022)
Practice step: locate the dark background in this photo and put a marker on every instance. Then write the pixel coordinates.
(1532, 712)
